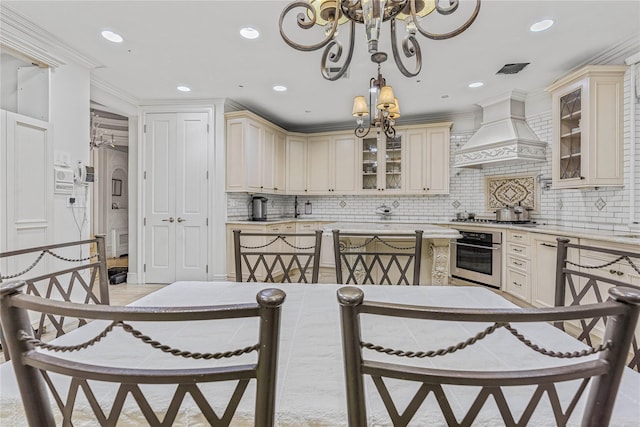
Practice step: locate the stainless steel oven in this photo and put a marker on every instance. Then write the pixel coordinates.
(477, 257)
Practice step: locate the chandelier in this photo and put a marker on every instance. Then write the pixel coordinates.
(330, 14)
(384, 106)
(98, 137)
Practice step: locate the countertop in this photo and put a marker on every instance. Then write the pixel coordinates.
(430, 231)
(629, 238)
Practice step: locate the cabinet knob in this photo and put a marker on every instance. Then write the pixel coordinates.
(424, 189)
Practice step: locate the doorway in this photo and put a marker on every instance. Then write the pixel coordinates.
(109, 142)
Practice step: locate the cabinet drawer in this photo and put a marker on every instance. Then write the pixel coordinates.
(518, 236)
(517, 284)
(306, 227)
(518, 263)
(518, 250)
(276, 228)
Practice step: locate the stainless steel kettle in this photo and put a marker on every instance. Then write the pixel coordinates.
(259, 208)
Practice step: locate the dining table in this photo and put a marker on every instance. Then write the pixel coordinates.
(310, 388)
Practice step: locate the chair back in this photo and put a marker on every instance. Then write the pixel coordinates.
(85, 280)
(604, 372)
(277, 257)
(33, 367)
(587, 281)
(380, 259)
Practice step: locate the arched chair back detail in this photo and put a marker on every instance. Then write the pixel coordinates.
(277, 257)
(604, 373)
(587, 281)
(380, 259)
(33, 367)
(85, 281)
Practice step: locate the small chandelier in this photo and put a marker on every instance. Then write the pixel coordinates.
(98, 137)
(384, 105)
(332, 13)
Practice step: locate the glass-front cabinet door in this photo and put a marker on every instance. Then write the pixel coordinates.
(370, 164)
(571, 135)
(382, 164)
(393, 163)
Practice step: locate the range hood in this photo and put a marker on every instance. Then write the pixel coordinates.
(503, 136)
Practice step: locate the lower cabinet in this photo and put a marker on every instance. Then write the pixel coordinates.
(518, 277)
(544, 258)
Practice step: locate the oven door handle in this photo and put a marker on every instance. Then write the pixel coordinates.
(491, 248)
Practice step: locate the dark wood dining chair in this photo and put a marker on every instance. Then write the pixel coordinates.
(579, 283)
(604, 373)
(381, 259)
(34, 368)
(277, 257)
(82, 279)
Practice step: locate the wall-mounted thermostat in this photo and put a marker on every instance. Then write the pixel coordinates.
(63, 180)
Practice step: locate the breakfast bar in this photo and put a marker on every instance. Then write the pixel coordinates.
(435, 244)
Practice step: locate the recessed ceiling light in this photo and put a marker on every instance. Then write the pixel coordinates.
(545, 24)
(476, 84)
(184, 88)
(279, 88)
(249, 33)
(111, 36)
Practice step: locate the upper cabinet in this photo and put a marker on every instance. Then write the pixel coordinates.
(427, 150)
(332, 164)
(256, 154)
(296, 161)
(382, 163)
(262, 158)
(587, 127)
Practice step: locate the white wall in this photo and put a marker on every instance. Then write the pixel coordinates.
(69, 116)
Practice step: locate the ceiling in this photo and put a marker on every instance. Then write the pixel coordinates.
(197, 43)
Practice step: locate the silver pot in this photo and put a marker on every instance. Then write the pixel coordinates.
(522, 213)
(506, 214)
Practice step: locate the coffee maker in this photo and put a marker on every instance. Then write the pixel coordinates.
(259, 208)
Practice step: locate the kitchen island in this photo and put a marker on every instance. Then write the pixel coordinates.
(435, 244)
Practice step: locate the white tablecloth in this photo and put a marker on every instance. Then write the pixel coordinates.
(310, 388)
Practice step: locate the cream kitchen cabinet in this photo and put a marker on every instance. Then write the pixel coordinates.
(587, 108)
(518, 281)
(427, 153)
(332, 164)
(296, 165)
(382, 164)
(543, 276)
(255, 154)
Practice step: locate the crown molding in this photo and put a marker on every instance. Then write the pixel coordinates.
(27, 38)
(616, 53)
(101, 85)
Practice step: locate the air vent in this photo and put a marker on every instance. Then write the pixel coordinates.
(512, 68)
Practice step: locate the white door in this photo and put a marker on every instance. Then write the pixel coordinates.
(175, 181)
(26, 188)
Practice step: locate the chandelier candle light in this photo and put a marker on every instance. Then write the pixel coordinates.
(332, 13)
(383, 102)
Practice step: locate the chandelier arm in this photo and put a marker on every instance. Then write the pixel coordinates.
(335, 57)
(450, 34)
(361, 132)
(304, 24)
(410, 48)
(453, 5)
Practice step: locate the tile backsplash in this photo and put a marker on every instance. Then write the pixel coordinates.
(604, 208)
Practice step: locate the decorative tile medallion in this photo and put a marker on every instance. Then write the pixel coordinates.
(343, 203)
(600, 203)
(560, 204)
(502, 191)
(455, 204)
(395, 204)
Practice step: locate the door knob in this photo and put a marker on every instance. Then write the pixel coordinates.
(180, 219)
(170, 219)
